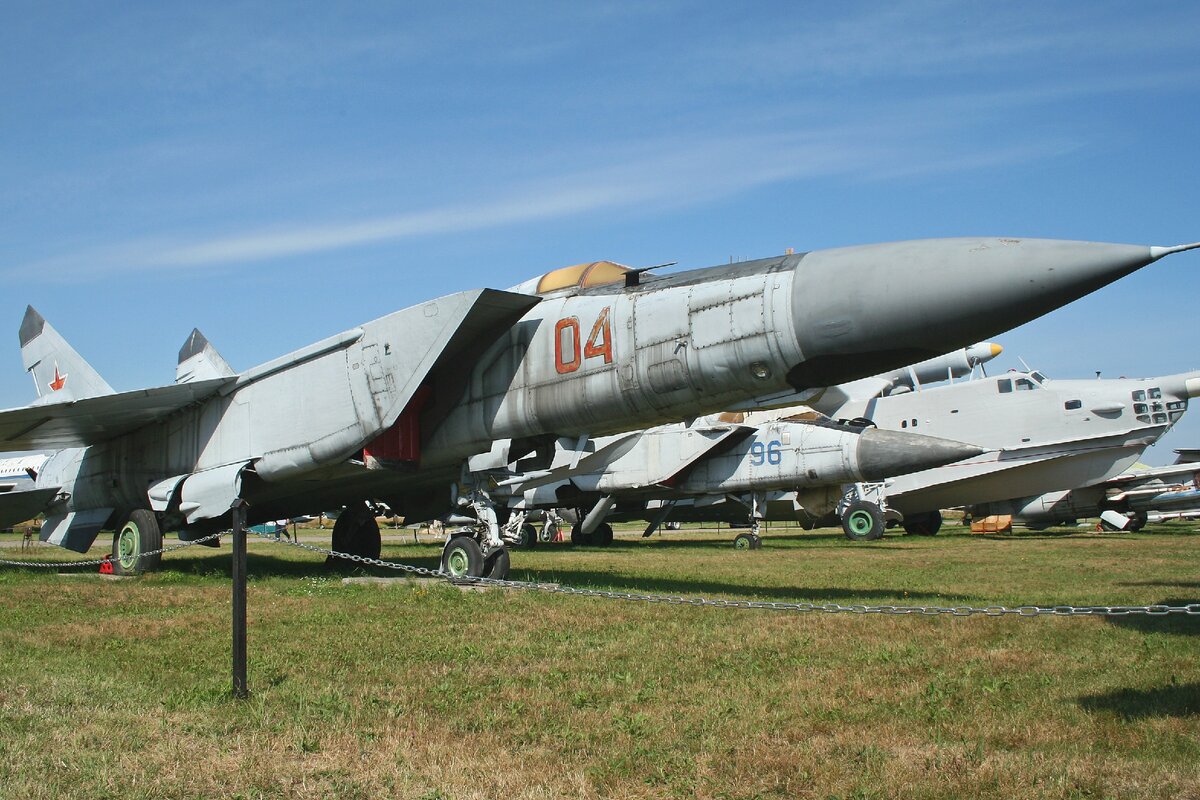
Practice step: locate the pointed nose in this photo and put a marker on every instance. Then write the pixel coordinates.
(887, 305)
(885, 454)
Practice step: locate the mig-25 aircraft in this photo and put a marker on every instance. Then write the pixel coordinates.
(391, 409)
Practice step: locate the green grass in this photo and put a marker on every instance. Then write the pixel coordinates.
(121, 689)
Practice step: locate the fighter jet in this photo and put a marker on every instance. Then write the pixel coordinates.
(701, 462)
(391, 409)
(1123, 503)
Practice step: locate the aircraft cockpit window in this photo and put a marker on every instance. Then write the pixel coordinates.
(1025, 385)
(1071, 405)
(1156, 406)
(1144, 418)
(1176, 416)
(1005, 386)
(1038, 377)
(1139, 395)
(1141, 408)
(1155, 393)
(595, 273)
(1176, 405)
(1160, 419)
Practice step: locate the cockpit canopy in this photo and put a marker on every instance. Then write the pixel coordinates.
(576, 276)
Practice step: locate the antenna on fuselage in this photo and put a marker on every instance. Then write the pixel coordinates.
(634, 276)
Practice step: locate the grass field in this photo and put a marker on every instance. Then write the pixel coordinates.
(121, 688)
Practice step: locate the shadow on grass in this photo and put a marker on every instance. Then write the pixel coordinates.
(1178, 624)
(1179, 700)
(259, 566)
(693, 587)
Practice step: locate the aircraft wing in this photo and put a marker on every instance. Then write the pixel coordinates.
(1153, 473)
(92, 420)
(19, 506)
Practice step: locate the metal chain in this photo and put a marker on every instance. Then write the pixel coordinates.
(95, 562)
(1192, 609)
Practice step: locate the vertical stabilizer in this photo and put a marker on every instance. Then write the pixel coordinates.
(199, 360)
(59, 373)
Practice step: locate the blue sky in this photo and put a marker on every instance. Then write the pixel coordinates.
(274, 173)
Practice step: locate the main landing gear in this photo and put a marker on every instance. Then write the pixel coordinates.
(140, 534)
(356, 532)
(479, 551)
(926, 523)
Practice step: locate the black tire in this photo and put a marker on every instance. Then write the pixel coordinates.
(927, 523)
(496, 565)
(756, 542)
(138, 534)
(745, 541)
(862, 522)
(1137, 521)
(578, 537)
(356, 532)
(603, 535)
(527, 536)
(548, 532)
(462, 558)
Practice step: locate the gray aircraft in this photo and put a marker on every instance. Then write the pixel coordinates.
(391, 409)
(1123, 503)
(701, 462)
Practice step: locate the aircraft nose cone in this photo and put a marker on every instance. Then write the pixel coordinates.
(885, 454)
(877, 307)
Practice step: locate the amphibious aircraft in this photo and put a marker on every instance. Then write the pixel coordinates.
(392, 408)
(1040, 435)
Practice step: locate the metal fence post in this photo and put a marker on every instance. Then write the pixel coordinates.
(240, 690)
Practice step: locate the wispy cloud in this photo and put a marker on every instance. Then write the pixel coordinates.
(659, 179)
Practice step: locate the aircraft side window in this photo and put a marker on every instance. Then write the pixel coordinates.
(1144, 418)
(1139, 395)
(903, 423)
(1160, 418)
(1156, 406)
(1155, 393)
(1176, 405)
(1176, 416)
(1141, 408)
(1071, 405)
(914, 423)
(1005, 386)
(1024, 385)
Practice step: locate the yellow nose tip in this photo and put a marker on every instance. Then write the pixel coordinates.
(996, 349)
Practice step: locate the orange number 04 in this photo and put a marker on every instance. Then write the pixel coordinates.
(567, 356)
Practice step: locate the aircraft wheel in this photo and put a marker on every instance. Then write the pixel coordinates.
(548, 533)
(578, 537)
(527, 537)
(496, 565)
(603, 535)
(862, 522)
(747, 541)
(927, 523)
(357, 532)
(462, 558)
(139, 534)
(1137, 521)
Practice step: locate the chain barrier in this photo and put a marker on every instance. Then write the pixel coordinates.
(95, 562)
(1192, 609)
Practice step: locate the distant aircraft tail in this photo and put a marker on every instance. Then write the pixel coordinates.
(199, 360)
(59, 373)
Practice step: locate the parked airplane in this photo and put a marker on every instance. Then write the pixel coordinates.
(391, 409)
(703, 461)
(1040, 435)
(1124, 503)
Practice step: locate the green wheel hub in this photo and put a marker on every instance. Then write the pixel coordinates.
(860, 522)
(129, 546)
(741, 543)
(458, 562)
